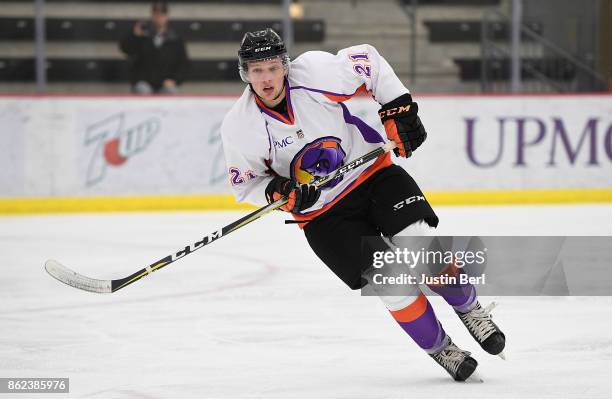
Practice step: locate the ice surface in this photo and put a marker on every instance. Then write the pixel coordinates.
(257, 315)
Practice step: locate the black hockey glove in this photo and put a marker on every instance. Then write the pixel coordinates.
(403, 125)
(300, 197)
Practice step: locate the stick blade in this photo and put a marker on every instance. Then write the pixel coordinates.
(76, 280)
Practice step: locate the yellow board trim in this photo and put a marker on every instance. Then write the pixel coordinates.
(119, 204)
(21, 205)
(521, 197)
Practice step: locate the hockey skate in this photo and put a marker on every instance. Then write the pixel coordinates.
(458, 363)
(480, 325)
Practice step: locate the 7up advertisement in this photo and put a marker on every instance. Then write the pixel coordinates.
(150, 148)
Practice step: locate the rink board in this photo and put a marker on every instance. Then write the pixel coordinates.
(161, 153)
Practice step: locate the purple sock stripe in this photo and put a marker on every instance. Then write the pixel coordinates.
(456, 294)
(426, 331)
(469, 304)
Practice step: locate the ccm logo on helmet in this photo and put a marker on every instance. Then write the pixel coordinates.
(257, 50)
(393, 111)
(408, 201)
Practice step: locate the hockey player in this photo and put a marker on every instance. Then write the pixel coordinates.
(291, 126)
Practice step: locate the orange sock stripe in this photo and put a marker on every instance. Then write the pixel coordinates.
(451, 270)
(412, 311)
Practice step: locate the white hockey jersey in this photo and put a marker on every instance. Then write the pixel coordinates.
(319, 135)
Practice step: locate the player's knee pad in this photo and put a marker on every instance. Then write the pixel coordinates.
(418, 228)
(394, 296)
(401, 295)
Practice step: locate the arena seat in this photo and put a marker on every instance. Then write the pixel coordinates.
(149, 1)
(455, 2)
(87, 29)
(552, 68)
(470, 31)
(108, 70)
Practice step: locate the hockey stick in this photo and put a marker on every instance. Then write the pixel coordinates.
(74, 279)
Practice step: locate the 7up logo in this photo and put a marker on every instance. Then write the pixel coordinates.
(113, 143)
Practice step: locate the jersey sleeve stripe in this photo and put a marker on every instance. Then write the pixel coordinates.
(334, 96)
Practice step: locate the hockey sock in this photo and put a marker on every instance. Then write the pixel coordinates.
(462, 297)
(420, 322)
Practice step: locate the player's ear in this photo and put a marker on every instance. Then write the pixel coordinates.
(243, 72)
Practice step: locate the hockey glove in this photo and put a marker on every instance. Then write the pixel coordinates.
(300, 197)
(403, 125)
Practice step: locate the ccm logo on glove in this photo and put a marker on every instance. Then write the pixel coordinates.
(393, 111)
(402, 124)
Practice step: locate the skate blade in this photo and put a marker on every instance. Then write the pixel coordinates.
(502, 355)
(475, 378)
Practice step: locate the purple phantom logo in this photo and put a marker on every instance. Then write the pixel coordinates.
(317, 159)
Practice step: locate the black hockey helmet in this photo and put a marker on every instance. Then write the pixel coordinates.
(258, 46)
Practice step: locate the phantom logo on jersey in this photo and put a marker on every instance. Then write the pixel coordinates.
(114, 143)
(318, 159)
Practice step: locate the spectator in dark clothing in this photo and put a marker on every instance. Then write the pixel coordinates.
(157, 54)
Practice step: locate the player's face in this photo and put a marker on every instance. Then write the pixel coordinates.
(267, 79)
